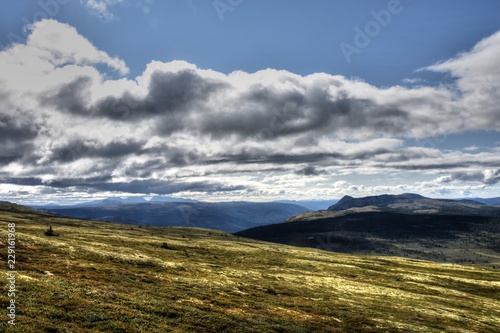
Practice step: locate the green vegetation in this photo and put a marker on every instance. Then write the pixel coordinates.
(103, 277)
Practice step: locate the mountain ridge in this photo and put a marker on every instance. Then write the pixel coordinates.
(407, 203)
(227, 216)
(374, 200)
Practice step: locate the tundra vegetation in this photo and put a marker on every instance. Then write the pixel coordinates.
(104, 277)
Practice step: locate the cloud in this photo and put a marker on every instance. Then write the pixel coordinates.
(477, 74)
(17, 132)
(471, 148)
(50, 47)
(101, 8)
(149, 186)
(176, 127)
(487, 176)
(76, 149)
(223, 106)
(470, 67)
(165, 187)
(413, 81)
(311, 171)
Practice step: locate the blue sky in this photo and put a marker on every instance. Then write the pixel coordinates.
(299, 36)
(414, 89)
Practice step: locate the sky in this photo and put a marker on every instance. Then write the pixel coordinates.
(256, 100)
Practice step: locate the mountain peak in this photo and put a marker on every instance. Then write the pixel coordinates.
(377, 200)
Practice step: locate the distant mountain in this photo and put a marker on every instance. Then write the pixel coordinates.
(310, 204)
(226, 216)
(407, 203)
(169, 199)
(115, 201)
(379, 200)
(45, 206)
(489, 201)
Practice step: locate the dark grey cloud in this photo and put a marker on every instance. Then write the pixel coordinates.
(77, 149)
(316, 115)
(172, 96)
(71, 97)
(263, 111)
(268, 115)
(279, 159)
(311, 171)
(422, 166)
(58, 183)
(168, 94)
(186, 101)
(145, 169)
(14, 152)
(17, 134)
(148, 186)
(28, 181)
(16, 129)
(166, 187)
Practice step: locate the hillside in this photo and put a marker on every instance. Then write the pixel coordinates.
(443, 238)
(407, 225)
(226, 216)
(104, 277)
(12, 207)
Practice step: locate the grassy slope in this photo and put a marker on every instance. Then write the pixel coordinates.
(101, 277)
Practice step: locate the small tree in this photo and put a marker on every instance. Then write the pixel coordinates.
(50, 232)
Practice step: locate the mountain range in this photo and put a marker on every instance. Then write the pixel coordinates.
(226, 216)
(489, 201)
(407, 203)
(398, 225)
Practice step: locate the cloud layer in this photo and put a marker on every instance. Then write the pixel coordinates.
(181, 129)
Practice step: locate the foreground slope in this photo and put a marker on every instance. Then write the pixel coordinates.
(102, 277)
